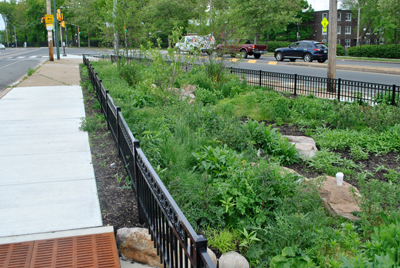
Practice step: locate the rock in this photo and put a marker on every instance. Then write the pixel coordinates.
(233, 259)
(212, 256)
(135, 244)
(113, 165)
(338, 200)
(305, 145)
(189, 88)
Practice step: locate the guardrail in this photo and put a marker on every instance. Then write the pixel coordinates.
(177, 243)
(340, 89)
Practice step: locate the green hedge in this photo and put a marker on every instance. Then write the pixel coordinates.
(272, 45)
(375, 51)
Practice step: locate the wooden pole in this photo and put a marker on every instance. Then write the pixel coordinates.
(50, 34)
(332, 45)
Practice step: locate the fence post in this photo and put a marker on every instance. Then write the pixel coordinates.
(106, 111)
(231, 70)
(394, 95)
(260, 78)
(136, 146)
(201, 242)
(117, 130)
(338, 91)
(295, 84)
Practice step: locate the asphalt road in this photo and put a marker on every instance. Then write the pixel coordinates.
(15, 62)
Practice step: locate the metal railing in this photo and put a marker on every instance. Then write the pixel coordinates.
(177, 243)
(343, 90)
(340, 89)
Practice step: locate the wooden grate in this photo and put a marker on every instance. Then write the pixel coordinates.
(98, 250)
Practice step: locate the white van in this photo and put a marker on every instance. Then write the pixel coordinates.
(191, 43)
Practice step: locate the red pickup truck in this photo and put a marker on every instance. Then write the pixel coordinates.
(241, 46)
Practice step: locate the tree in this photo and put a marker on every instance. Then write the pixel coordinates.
(304, 14)
(370, 16)
(6, 10)
(258, 16)
(390, 12)
(36, 9)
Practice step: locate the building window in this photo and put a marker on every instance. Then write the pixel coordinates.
(338, 30)
(368, 32)
(338, 41)
(324, 15)
(339, 16)
(348, 16)
(375, 41)
(324, 33)
(368, 42)
(347, 30)
(347, 42)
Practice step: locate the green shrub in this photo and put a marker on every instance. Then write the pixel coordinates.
(129, 71)
(272, 45)
(376, 51)
(206, 96)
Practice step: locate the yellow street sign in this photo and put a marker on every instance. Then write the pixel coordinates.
(324, 29)
(49, 19)
(63, 24)
(325, 22)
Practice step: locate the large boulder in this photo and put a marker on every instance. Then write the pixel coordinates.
(135, 244)
(305, 145)
(233, 259)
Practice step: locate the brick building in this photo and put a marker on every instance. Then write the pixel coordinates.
(346, 32)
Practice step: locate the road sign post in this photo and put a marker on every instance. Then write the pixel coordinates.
(49, 21)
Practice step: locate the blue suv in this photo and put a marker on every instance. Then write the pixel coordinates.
(306, 50)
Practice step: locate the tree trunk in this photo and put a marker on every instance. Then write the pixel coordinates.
(169, 42)
(37, 37)
(256, 38)
(88, 39)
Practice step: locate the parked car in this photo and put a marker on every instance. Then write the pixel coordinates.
(244, 46)
(191, 43)
(306, 50)
(2, 46)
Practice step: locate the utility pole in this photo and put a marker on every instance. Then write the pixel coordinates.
(332, 45)
(15, 37)
(358, 25)
(56, 29)
(50, 34)
(115, 28)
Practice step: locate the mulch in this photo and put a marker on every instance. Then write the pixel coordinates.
(117, 199)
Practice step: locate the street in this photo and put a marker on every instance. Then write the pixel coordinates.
(15, 62)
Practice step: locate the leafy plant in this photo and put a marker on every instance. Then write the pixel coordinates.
(92, 123)
(289, 258)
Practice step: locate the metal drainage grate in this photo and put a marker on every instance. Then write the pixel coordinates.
(97, 250)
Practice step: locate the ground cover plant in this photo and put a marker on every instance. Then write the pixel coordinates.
(221, 158)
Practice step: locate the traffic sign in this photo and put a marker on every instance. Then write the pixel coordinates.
(49, 18)
(324, 29)
(324, 22)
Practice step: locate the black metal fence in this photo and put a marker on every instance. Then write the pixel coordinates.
(343, 90)
(177, 243)
(340, 89)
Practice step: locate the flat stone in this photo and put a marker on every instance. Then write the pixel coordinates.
(339, 200)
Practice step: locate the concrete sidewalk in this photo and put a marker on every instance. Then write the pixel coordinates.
(47, 181)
